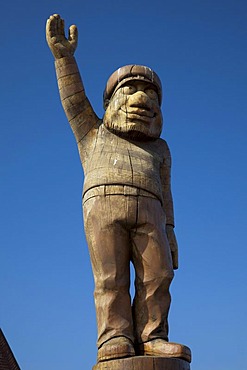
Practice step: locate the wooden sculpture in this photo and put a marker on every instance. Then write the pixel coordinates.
(127, 202)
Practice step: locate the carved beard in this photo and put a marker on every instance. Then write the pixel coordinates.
(130, 126)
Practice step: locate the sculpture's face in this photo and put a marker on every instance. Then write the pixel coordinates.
(134, 111)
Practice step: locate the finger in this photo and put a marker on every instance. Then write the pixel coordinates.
(51, 26)
(50, 31)
(48, 28)
(73, 35)
(60, 26)
(56, 16)
(56, 20)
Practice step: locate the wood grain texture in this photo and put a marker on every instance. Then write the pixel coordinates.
(144, 363)
(127, 203)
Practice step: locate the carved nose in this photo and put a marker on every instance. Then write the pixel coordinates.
(140, 100)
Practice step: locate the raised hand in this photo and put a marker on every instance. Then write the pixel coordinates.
(60, 45)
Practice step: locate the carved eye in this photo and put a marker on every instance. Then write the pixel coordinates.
(151, 93)
(128, 89)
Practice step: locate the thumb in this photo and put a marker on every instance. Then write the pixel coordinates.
(73, 36)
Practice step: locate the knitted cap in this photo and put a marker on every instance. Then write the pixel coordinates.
(127, 73)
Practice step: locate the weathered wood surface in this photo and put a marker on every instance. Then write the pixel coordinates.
(127, 203)
(144, 363)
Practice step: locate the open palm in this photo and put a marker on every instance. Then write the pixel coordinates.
(60, 45)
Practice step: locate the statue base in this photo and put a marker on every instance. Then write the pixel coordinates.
(143, 363)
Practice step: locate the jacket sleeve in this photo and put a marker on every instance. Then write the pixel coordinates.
(166, 187)
(76, 105)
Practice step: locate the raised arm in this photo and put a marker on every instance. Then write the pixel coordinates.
(168, 206)
(77, 107)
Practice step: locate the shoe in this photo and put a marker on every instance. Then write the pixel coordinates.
(159, 347)
(114, 348)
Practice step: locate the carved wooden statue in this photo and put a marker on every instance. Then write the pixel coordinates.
(127, 202)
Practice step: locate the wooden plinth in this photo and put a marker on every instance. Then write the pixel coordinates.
(144, 363)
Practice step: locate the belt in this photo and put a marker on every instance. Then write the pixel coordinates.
(116, 190)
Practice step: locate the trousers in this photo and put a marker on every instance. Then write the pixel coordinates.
(121, 229)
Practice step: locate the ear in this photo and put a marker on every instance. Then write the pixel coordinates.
(106, 103)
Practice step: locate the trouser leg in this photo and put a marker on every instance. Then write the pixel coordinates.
(153, 267)
(109, 246)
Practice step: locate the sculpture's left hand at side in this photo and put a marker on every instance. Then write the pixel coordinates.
(173, 245)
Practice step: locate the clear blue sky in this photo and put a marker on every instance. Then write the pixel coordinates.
(199, 50)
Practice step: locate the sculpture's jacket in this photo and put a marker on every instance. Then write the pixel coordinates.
(108, 159)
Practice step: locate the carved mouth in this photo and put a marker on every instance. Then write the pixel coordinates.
(143, 112)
